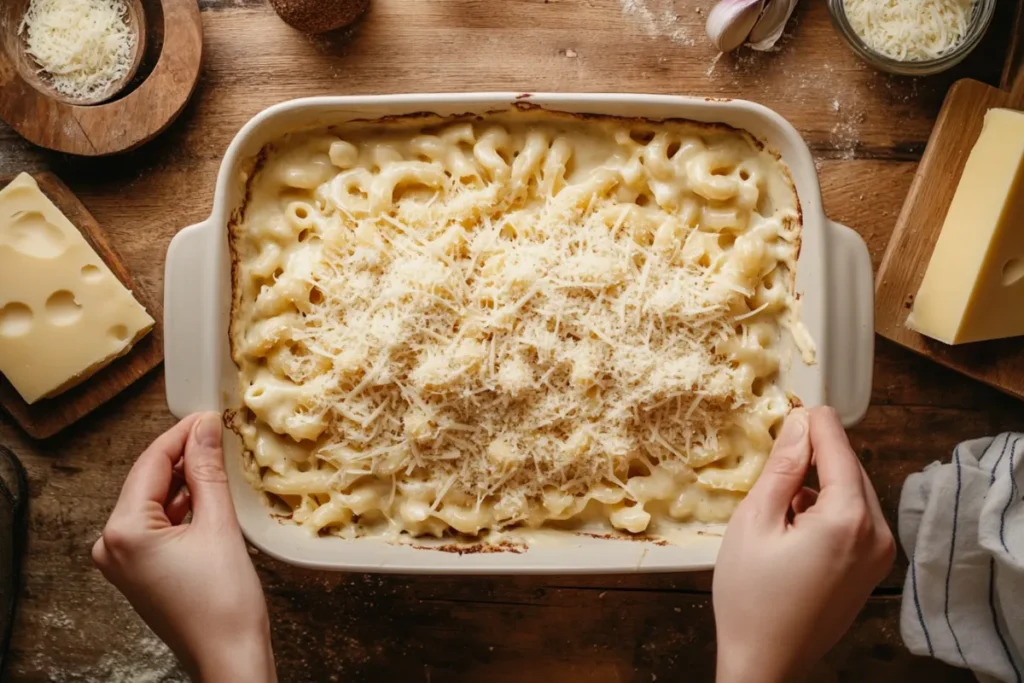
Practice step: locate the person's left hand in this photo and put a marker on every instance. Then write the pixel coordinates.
(193, 583)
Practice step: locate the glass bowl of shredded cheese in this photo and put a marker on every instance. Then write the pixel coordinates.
(912, 37)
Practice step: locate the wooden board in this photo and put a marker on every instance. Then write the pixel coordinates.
(867, 131)
(45, 418)
(998, 363)
(123, 123)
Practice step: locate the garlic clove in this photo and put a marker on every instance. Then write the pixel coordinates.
(730, 22)
(771, 24)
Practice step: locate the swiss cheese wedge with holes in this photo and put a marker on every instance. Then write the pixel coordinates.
(973, 289)
(63, 314)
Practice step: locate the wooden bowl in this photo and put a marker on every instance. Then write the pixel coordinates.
(143, 110)
(14, 42)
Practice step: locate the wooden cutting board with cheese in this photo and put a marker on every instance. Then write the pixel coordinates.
(75, 330)
(969, 285)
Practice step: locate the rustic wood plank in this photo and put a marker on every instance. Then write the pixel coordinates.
(74, 627)
(370, 628)
(657, 49)
(1013, 67)
(837, 102)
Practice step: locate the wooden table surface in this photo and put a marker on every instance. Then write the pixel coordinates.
(867, 130)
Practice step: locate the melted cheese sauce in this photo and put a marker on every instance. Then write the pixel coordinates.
(520, 320)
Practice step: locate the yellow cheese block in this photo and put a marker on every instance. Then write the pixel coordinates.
(973, 289)
(63, 314)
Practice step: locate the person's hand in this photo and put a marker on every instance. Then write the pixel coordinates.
(193, 583)
(796, 566)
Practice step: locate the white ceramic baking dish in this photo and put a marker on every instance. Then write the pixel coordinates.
(834, 279)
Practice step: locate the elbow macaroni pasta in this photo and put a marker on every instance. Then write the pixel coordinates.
(518, 319)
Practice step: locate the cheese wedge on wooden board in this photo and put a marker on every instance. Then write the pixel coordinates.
(63, 314)
(973, 288)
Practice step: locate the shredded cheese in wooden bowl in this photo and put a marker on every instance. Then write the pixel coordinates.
(83, 47)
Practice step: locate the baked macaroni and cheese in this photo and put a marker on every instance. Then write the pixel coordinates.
(525, 318)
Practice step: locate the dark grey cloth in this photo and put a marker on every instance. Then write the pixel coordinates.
(962, 526)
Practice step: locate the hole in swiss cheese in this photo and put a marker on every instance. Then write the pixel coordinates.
(1013, 271)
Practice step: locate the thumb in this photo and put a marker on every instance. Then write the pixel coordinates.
(784, 471)
(205, 475)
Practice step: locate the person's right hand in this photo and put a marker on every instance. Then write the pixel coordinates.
(192, 582)
(796, 566)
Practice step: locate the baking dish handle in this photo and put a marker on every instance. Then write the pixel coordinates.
(190, 313)
(851, 325)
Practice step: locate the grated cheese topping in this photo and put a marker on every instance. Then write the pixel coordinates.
(910, 30)
(82, 46)
(511, 321)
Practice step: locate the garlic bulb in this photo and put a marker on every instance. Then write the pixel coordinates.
(731, 21)
(769, 27)
(759, 23)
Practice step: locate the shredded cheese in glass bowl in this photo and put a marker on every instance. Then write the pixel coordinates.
(912, 37)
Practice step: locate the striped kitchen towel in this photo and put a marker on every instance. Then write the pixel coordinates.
(962, 526)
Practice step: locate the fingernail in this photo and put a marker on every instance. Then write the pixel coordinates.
(794, 428)
(208, 430)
